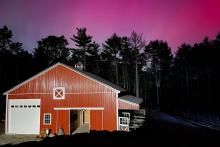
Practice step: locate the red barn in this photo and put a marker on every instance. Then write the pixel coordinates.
(61, 97)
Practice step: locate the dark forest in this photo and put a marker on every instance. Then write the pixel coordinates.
(184, 83)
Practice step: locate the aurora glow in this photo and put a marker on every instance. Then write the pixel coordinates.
(174, 21)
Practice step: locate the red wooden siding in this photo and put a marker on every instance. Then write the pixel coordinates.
(96, 120)
(80, 92)
(59, 121)
(60, 76)
(126, 105)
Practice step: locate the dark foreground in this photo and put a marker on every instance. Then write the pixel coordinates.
(155, 133)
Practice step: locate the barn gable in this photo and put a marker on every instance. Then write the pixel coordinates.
(69, 75)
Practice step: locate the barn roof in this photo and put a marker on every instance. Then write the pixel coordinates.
(102, 80)
(83, 73)
(131, 98)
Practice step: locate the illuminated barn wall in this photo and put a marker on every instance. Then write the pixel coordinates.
(80, 91)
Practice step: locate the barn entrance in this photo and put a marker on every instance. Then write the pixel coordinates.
(79, 118)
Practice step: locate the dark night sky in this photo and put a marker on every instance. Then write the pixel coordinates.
(174, 21)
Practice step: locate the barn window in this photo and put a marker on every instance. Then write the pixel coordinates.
(47, 118)
(124, 120)
(59, 93)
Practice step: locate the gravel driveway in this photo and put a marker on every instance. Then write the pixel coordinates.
(14, 139)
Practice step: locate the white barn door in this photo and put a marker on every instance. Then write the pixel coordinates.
(24, 116)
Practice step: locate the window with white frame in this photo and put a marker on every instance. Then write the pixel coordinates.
(126, 114)
(58, 93)
(123, 124)
(47, 118)
(124, 121)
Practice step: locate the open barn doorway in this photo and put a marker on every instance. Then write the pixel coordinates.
(79, 118)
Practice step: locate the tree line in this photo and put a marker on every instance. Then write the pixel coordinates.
(185, 81)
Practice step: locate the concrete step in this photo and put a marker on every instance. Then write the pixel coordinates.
(82, 129)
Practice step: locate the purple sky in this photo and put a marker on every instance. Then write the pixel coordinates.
(174, 21)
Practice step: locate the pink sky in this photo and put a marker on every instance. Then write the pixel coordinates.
(174, 21)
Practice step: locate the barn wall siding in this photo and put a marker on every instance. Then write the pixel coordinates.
(96, 119)
(60, 122)
(80, 92)
(127, 106)
(62, 77)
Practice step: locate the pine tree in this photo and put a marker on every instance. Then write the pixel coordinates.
(82, 42)
(111, 53)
